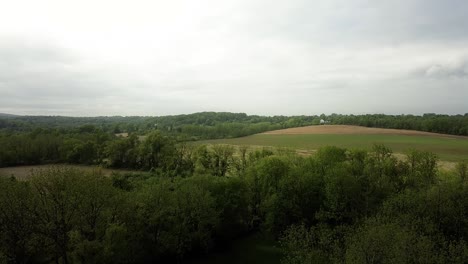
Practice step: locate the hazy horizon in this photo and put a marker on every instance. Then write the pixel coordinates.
(249, 114)
(154, 58)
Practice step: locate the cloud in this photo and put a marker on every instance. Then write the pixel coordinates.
(359, 22)
(42, 78)
(261, 57)
(454, 70)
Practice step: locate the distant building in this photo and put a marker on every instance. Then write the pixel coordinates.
(323, 122)
(123, 135)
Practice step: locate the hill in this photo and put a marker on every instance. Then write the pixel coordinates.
(307, 139)
(354, 130)
(7, 115)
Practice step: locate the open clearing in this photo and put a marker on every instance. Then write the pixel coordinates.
(447, 147)
(23, 172)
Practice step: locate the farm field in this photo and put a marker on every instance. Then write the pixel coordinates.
(447, 147)
(23, 172)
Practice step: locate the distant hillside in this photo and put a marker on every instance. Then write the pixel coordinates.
(7, 115)
(212, 125)
(204, 125)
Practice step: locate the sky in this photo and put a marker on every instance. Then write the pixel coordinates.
(295, 57)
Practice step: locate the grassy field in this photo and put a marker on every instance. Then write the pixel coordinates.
(450, 149)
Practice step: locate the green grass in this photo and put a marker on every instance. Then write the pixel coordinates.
(450, 149)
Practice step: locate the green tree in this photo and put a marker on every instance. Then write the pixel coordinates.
(462, 169)
(222, 159)
(94, 212)
(123, 152)
(423, 168)
(157, 151)
(378, 242)
(18, 222)
(58, 199)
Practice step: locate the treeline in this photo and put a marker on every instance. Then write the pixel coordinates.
(154, 151)
(338, 206)
(205, 125)
(212, 125)
(83, 146)
(89, 144)
(445, 124)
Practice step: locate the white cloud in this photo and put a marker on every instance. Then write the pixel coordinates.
(263, 57)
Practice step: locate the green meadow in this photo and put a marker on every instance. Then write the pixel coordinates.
(449, 149)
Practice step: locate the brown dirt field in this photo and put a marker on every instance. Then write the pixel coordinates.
(354, 130)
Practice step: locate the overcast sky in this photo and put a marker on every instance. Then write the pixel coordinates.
(133, 57)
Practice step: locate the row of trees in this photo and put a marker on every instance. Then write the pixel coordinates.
(445, 124)
(52, 146)
(205, 125)
(154, 152)
(95, 144)
(338, 206)
(210, 125)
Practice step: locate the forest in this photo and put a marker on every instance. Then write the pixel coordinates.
(204, 125)
(185, 201)
(234, 132)
(444, 124)
(338, 206)
(213, 125)
(29, 140)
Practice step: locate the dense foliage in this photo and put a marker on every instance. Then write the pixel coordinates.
(85, 146)
(186, 200)
(338, 206)
(205, 125)
(445, 124)
(212, 125)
